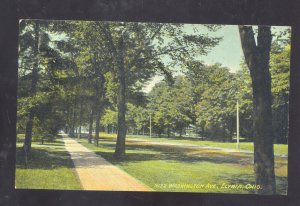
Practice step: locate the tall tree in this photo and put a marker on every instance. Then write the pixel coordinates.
(215, 108)
(92, 62)
(44, 68)
(138, 50)
(34, 80)
(257, 57)
(171, 106)
(127, 43)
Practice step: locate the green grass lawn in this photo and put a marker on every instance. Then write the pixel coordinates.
(279, 149)
(49, 167)
(162, 167)
(169, 168)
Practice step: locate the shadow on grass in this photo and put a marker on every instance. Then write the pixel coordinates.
(142, 152)
(51, 144)
(179, 152)
(249, 179)
(182, 154)
(196, 139)
(43, 158)
(281, 185)
(238, 179)
(137, 152)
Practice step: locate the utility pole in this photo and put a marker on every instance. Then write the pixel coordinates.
(237, 125)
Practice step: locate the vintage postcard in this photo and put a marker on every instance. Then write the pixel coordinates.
(158, 107)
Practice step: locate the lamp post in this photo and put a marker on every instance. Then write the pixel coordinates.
(237, 125)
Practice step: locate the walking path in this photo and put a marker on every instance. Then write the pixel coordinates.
(95, 173)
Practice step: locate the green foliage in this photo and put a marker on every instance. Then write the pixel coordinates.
(280, 72)
(109, 118)
(245, 102)
(170, 106)
(78, 72)
(137, 118)
(216, 108)
(47, 127)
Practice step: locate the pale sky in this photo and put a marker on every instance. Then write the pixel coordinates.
(228, 53)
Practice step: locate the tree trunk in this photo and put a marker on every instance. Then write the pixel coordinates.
(223, 133)
(34, 80)
(76, 132)
(73, 123)
(257, 58)
(120, 146)
(67, 120)
(119, 54)
(80, 119)
(91, 126)
(74, 117)
(203, 132)
(91, 123)
(97, 129)
(66, 129)
(28, 133)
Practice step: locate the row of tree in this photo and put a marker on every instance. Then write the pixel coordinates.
(71, 71)
(206, 97)
(76, 74)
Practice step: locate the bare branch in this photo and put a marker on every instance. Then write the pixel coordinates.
(156, 32)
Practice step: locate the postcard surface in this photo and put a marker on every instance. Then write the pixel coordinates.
(154, 107)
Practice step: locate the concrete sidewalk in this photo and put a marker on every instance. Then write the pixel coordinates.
(95, 173)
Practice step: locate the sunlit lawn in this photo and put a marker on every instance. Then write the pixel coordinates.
(279, 149)
(49, 167)
(174, 168)
(162, 167)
